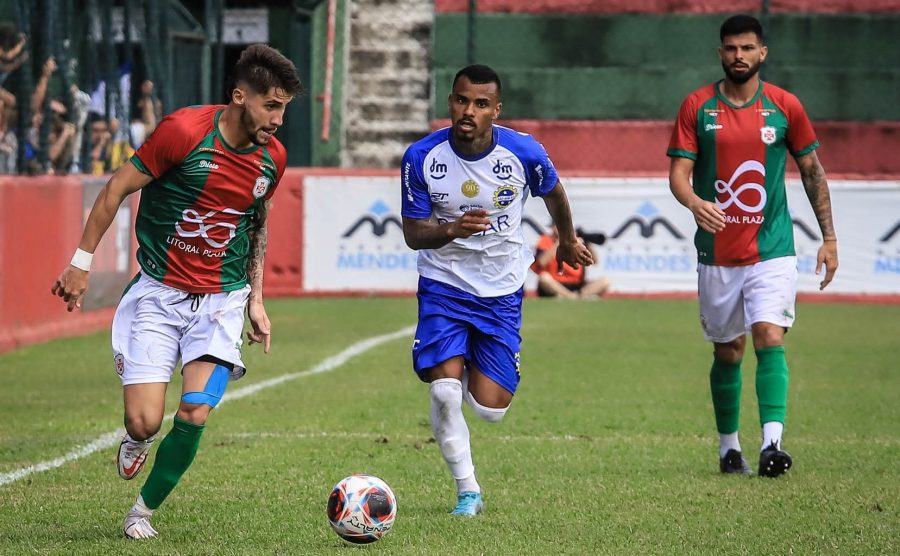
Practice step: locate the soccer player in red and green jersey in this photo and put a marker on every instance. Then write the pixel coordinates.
(206, 176)
(734, 136)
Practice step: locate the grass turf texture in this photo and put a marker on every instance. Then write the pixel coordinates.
(609, 448)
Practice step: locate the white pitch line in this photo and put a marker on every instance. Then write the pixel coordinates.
(109, 439)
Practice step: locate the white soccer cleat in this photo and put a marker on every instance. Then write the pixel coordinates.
(132, 455)
(137, 526)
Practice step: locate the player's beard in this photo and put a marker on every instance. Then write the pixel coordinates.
(252, 130)
(741, 78)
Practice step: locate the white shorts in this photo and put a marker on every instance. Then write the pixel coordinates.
(156, 325)
(733, 298)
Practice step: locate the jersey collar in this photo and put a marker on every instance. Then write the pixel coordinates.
(474, 157)
(750, 102)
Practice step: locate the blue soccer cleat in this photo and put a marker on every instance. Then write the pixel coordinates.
(468, 503)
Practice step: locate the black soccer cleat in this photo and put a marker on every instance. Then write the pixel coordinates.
(734, 462)
(774, 462)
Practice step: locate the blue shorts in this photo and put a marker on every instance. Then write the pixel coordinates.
(484, 330)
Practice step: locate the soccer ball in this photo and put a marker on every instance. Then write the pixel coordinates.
(361, 509)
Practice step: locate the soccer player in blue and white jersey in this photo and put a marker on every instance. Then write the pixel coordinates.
(464, 188)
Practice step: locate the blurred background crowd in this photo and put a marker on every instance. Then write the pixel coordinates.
(83, 82)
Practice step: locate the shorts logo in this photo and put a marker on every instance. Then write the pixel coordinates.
(261, 186)
(504, 196)
(767, 134)
(723, 187)
(120, 364)
(469, 188)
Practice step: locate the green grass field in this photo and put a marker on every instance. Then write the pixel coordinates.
(609, 448)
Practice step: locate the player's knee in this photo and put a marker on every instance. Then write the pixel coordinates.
(141, 427)
(446, 392)
(489, 414)
(193, 412)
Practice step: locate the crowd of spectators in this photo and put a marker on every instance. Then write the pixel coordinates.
(66, 133)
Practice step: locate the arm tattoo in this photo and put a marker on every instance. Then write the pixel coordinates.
(259, 237)
(813, 177)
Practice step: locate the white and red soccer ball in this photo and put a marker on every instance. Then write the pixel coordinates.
(361, 509)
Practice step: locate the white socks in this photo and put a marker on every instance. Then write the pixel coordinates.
(771, 434)
(728, 442)
(451, 432)
(140, 507)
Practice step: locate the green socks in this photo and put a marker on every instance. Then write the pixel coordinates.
(771, 384)
(725, 384)
(173, 457)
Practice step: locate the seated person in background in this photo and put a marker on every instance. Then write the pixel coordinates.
(571, 283)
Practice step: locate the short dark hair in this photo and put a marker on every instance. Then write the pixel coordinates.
(262, 67)
(740, 24)
(479, 74)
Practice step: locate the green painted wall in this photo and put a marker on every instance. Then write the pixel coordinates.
(844, 67)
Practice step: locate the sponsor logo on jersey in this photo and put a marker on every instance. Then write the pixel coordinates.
(467, 208)
(734, 197)
(261, 186)
(437, 170)
(539, 170)
(504, 195)
(439, 198)
(205, 223)
(210, 150)
(711, 127)
(208, 164)
(263, 166)
(767, 134)
(502, 171)
(469, 188)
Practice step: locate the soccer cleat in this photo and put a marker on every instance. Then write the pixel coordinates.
(468, 503)
(137, 526)
(734, 462)
(132, 455)
(774, 462)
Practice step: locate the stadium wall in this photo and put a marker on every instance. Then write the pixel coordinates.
(339, 232)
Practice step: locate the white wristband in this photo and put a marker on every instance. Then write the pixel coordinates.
(82, 260)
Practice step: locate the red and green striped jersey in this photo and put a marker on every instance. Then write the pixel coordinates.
(740, 154)
(194, 218)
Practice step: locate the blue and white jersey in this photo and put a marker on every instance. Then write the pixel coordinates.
(441, 181)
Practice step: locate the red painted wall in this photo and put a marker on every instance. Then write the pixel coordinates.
(600, 147)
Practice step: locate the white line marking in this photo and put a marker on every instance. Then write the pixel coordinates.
(112, 438)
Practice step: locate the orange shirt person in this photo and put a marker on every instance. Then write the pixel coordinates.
(571, 283)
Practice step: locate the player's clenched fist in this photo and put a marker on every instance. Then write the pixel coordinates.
(71, 286)
(470, 223)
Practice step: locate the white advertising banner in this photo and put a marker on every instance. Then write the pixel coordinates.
(354, 240)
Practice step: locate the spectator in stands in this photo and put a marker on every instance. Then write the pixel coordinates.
(101, 139)
(81, 101)
(12, 56)
(119, 146)
(148, 113)
(9, 145)
(571, 283)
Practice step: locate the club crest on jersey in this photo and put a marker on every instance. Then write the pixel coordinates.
(469, 188)
(261, 186)
(504, 195)
(768, 135)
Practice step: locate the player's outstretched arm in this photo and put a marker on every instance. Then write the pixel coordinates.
(261, 332)
(428, 233)
(813, 176)
(709, 216)
(72, 283)
(571, 249)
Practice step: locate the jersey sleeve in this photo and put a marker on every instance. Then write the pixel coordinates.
(801, 138)
(416, 203)
(684, 135)
(166, 147)
(539, 170)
